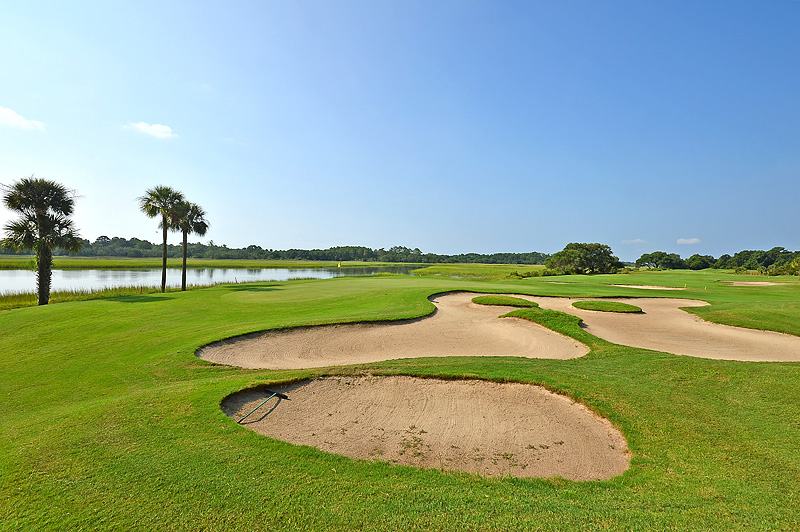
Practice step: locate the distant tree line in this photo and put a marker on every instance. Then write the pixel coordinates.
(122, 247)
(776, 261)
(574, 258)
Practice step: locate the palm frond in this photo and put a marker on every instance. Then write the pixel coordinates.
(34, 195)
(159, 200)
(190, 218)
(20, 234)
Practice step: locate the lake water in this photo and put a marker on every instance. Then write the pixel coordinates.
(15, 281)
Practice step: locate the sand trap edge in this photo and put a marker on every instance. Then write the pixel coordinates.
(369, 417)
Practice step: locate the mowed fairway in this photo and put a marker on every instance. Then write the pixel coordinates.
(109, 421)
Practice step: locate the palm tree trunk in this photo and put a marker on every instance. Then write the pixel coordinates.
(164, 259)
(183, 273)
(44, 271)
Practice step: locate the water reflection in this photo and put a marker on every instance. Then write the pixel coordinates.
(14, 281)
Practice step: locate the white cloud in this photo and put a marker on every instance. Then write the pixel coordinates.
(158, 131)
(635, 242)
(11, 118)
(688, 241)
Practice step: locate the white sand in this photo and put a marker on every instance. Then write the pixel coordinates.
(647, 287)
(476, 426)
(664, 327)
(458, 328)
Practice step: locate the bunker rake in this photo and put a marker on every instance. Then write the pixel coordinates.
(274, 394)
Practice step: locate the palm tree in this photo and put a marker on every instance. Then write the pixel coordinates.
(162, 201)
(44, 225)
(189, 218)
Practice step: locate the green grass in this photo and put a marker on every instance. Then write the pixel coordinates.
(109, 422)
(504, 301)
(22, 262)
(475, 271)
(606, 306)
(28, 299)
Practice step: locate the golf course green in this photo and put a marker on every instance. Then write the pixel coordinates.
(109, 421)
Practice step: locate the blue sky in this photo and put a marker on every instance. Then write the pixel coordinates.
(450, 126)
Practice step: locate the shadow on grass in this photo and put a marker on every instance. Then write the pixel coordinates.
(252, 288)
(140, 299)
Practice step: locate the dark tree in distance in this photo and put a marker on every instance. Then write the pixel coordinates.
(699, 262)
(163, 201)
(44, 225)
(578, 257)
(189, 218)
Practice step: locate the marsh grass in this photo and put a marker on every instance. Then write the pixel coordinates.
(475, 271)
(28, 299)
(15, 300)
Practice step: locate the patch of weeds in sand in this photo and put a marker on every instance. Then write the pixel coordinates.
(413, 443)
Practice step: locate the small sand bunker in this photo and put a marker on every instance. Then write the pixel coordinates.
(750, 283)
(479, 427)
(459, 327)
(648, 287)
(663, 326)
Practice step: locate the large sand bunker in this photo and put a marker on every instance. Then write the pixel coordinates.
(750, 283)
(475, 426)
(460, 327)
(649, 287)
(457, 328)
(664, 327)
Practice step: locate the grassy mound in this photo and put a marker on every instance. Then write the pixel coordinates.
(504, 301)
(606, 306)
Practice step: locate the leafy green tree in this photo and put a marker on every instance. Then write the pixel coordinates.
(700, 262)
(189, 218)
(661, 259)
(673, 261)
(650, 260)
(161, 201)
(724, 262)
(44, 225)
(585, 258)
(568, 260)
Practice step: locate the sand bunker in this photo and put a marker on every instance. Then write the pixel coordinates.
(462, 328)
(475, 426)
(750, 283)
(647, 287)
(664, 327)
(458, 328)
